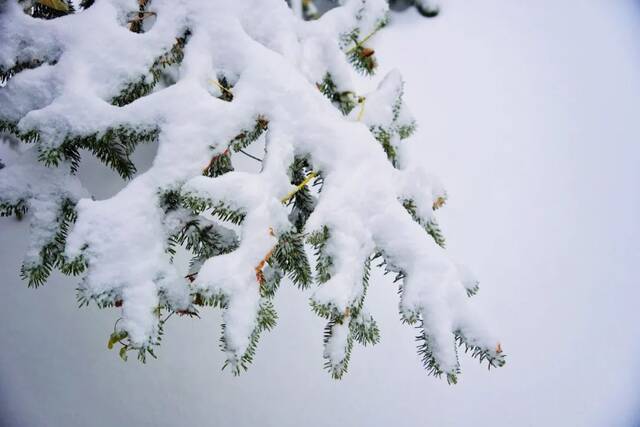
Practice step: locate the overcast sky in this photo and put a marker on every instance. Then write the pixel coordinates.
(528, 111)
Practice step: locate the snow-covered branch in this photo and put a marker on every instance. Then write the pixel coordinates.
(206, 80)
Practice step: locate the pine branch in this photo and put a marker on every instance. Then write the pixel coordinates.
(112, 147)
(145, 84)
(51, 255)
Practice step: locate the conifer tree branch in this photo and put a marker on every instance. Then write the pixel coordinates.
(156, 88)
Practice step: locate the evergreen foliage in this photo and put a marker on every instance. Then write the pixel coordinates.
(362, 58)
(112, 147)
(18, 209)
(146, 83)
(290, 257)
(430, 225)
(345, 101)
(245, 232)
(7, 73)
(37, 271)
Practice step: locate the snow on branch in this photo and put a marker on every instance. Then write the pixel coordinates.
(206, 80)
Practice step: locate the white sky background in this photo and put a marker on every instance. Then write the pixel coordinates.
(528, 111)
